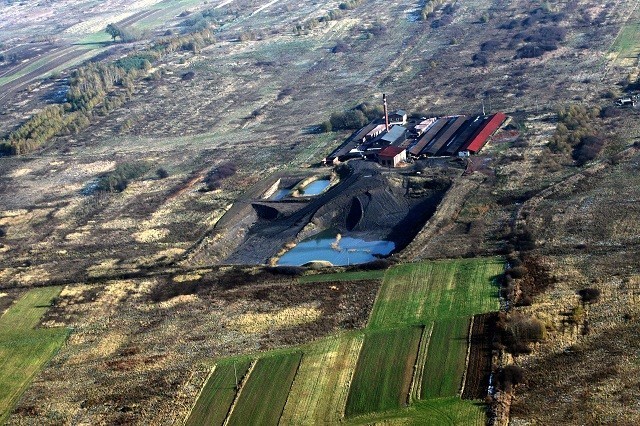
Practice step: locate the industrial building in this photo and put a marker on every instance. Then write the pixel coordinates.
(391, 156)
(457, 135)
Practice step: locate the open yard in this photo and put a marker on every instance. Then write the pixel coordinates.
(427, 291)
(24, 349)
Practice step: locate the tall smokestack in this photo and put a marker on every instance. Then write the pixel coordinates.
(386, 112)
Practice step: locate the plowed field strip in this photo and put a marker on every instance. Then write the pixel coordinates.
(319, 392)
(479, 367)
(382, 379)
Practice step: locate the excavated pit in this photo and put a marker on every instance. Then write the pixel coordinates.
(368, 203)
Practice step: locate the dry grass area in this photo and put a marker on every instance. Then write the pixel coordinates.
(132, 360)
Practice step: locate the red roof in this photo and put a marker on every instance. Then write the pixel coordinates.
(477, 142)
(390, 151)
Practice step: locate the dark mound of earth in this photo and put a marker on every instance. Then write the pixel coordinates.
(369, 203)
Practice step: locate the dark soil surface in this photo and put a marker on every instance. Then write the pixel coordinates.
(479, 368)
(371, 203)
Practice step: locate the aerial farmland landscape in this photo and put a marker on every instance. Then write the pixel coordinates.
(359, 212)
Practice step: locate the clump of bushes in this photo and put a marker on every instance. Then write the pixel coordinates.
(216, 175)
(516, 332)
(118, 179)
(510, 376)
(577, 132)
(352, 119)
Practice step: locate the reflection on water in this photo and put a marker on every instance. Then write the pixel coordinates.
(279, 194)
(315, 187)
(336, 249)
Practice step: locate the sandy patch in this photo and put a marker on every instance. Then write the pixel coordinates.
(76, 236)
(288, 317)
(186, 278)
(106, 347)
(36, 274)
(20, 172)
(178, 300)
(125, 223)
(102, 268)
(151, 235)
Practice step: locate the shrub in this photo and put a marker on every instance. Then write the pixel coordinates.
(588, 149)
(292, 271)
(348, 120)
(480, 59)
(162, 173)
(213, 179)
(118, 179)
(510, 376)
(589, 295)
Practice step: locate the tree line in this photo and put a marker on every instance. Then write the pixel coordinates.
(95, 89)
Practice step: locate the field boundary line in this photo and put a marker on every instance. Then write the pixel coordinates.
(466, 362)
(195, 401)
(291, 386)
(418, 369)
(239, 391)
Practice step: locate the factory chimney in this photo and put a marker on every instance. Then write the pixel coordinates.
(386, 112)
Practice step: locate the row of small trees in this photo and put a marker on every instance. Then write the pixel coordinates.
(95, 89)
(352, 119)
(332, 15)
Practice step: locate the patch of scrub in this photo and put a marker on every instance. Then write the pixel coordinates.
(288, 317)
(151, 235)
(336, 249)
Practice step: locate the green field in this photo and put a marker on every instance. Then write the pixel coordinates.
(320, 390)
(416, 294)
(446, 357)
(413, 351)
(383, 375)
(217, 395)
(434, 412)
(263, 396)
(24, 349)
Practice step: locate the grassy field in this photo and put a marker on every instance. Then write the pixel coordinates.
(24, 349)
(383, 375)
(434, 412)
(413, 351)
(423, 292)
(446, 356)
(263, 396)
(627, 44)
(320, 390)
(218, 393)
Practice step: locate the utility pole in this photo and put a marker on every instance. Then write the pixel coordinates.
(235, 373)
(482, 106)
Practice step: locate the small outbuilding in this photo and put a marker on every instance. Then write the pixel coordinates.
(398, 117)
(391, 156)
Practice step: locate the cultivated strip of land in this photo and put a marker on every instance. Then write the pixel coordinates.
(24, 349)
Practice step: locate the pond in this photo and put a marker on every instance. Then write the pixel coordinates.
(315, 187)
(337, 250)
(280, 194)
